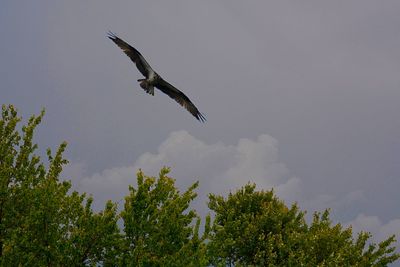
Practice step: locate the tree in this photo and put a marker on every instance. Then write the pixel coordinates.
(255, 228)
(41, 223)
(159, 227)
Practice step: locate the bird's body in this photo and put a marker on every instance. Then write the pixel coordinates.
(155, 80)
(149, 83)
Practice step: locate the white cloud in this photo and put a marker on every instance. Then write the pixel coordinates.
(220, 168)
(74, 172)
(373, 224)
(365, 223)
(336, 203)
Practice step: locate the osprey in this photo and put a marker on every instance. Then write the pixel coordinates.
(154, 80)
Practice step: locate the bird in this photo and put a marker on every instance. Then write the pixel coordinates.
(153, 79)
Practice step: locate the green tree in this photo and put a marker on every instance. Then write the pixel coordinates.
(159, 227)
(41, 223)
(255, 228)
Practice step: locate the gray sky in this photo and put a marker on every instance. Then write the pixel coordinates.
(299, 95)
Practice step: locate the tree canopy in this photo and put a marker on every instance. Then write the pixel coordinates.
(256, 228)
(44, 223)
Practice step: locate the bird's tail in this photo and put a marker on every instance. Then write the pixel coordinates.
(146, 86)
(150, 90)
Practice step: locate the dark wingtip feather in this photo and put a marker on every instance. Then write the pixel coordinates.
(201, 117)
(111, 35)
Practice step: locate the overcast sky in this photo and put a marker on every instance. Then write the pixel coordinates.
(302, 96)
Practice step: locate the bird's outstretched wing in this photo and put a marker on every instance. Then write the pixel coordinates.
(133, 54)
(179, 97)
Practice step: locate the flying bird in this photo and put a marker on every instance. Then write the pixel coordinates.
(153, 79)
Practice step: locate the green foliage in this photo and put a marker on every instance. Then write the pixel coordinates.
(254, 228)
(160, 230)
(43, 223)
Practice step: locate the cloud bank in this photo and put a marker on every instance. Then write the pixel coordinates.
(376, 227)
(224, 168)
